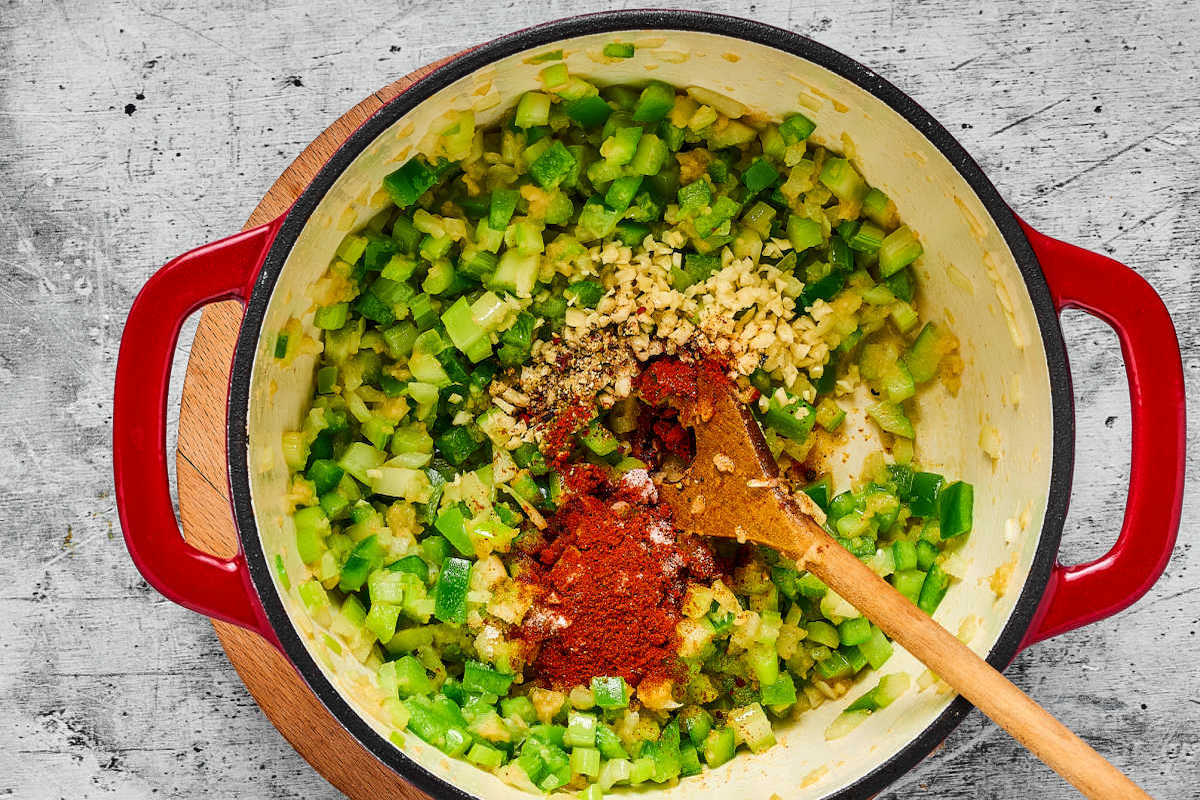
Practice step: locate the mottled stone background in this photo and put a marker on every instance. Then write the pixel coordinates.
(132, 132)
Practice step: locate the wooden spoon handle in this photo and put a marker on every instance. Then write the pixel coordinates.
(956, 664)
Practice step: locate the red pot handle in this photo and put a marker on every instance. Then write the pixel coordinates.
(1081, 594)
(216, 587)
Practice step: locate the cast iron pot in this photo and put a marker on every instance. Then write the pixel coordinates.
(998, 283)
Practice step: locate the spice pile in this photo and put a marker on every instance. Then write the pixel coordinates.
(610, 580)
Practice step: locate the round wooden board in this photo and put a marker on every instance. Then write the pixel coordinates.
(204, 509)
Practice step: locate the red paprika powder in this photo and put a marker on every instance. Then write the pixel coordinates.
(611, 578)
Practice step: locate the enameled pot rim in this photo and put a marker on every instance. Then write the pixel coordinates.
(1010, 639)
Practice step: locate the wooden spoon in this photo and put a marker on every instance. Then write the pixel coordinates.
(732, 489)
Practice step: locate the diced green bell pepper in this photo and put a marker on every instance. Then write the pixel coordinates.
(450, 591)
(610, 691)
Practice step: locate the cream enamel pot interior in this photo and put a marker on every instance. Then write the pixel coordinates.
(981, 273)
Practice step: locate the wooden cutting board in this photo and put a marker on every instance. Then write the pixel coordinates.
(208, 521)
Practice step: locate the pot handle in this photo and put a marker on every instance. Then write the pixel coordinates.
(216, 587)
(1084, 593)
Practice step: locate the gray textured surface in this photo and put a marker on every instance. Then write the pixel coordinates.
(130, 133)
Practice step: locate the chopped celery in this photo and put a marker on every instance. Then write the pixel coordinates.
(803, 233)
(610, 692)
(876, 649)
(552, 166)
(516, 272)
(621, 147)
(532, 110)
(619, 50)
(899, 249)
(890, 417)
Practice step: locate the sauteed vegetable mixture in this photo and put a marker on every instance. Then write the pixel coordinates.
(475, 485)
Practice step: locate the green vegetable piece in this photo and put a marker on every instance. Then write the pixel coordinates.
(581, 729)
(552, 166)
(533, 109)
(585, 761)
(519, 708)
(890, 417)
(610, 691)
(927, 553)
(485, 755)
(360, 457)
(352, 248)
(621, 147)
(586, 293)
(381, 620)
(795, 420)
(841, 178)
(904, 554)
(480, 678)
(517, 342)
(655, 102)
(554, 76)
(822, 632)
(325, 475)
(406, 185)
(619, 50)
(933, 589)
(908, 583)
(413, 565)
(835, 666)
(366, 556)
(504, 203)
(854, 631)
(795, 128)
(407, 237)
(719, 747)
(451, 524)
(411, 678)
(327, 379)
(819, 492)
(456, 445)
(622, 191)
(780, 693)
(810, 586)
(694, 196)
(450, 591)
(923, 495)
(590, 112)
(312, 526)
(722, 210)
(331, 317)
(599, 439)
(877, 649)
(759, 175)
(899, 249)
(803, 233)
(596, 220)
(867, 239)
(651, 156)
(955, 507)
(759, 218)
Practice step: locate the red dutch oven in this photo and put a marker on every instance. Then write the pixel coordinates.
(998, 282)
